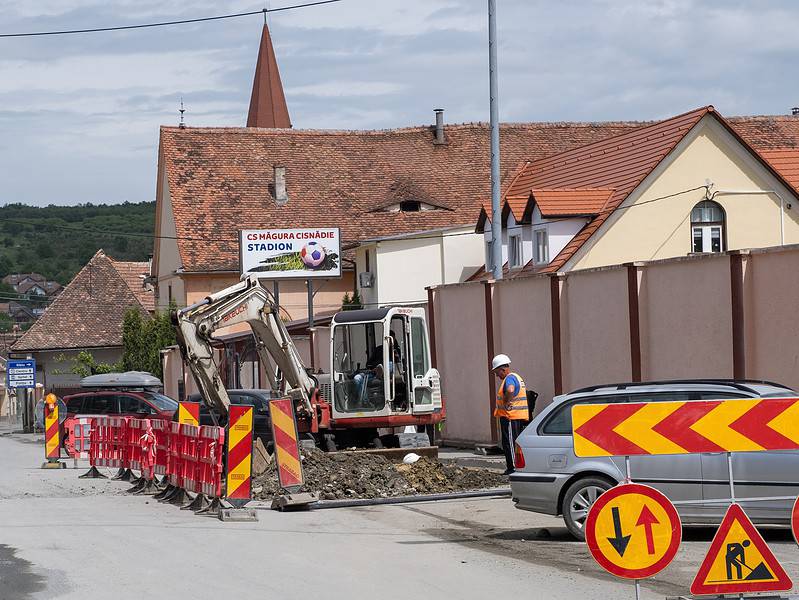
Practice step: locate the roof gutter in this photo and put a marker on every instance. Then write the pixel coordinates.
(753, 192)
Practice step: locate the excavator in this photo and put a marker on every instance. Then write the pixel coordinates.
(379, 380)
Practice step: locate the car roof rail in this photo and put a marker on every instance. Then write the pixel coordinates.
(740, 384)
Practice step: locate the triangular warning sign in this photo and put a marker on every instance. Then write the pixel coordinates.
(739, 560)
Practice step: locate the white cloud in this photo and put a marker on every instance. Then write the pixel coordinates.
(334, 89)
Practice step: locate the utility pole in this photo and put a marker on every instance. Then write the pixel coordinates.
(496, 212)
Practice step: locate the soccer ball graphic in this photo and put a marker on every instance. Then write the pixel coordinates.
(312, 254)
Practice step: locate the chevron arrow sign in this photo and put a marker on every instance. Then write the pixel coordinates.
(748, 425)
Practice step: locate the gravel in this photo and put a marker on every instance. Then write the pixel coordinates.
(337, 476)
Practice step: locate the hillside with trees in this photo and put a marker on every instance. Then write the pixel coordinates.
(57, 241)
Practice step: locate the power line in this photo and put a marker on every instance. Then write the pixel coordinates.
(235, 239)
(165, 23)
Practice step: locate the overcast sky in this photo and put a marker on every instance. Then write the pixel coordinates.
(79, 114)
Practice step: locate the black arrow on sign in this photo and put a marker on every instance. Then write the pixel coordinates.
(620, 541)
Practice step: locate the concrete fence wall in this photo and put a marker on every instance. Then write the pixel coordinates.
(724, 315)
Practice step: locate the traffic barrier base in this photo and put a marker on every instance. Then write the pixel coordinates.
(200, 502)
(166, 490)
(124, 475)
(238, 515)
(92, 473)
(53, 463)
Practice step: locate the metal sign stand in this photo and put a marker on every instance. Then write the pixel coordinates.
(629, 479)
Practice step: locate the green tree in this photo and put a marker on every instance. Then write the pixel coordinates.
(143, 338)
(84, 365)
(6, 323)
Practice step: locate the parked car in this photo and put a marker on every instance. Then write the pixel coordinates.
(550, 479)
(140, 404)
(258, 399)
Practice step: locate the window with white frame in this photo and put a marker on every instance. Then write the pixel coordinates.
(707, 227)
(540, 246)
(514, 251)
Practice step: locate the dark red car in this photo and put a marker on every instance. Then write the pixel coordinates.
(143, 404)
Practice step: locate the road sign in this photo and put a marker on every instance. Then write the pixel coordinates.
(795, 521)
(21, 373)
(287, 451)
(633, 531)
(189, 413)
(239, 454)
(739, 561)
(746, 425)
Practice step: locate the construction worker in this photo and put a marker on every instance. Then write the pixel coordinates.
(511, 406)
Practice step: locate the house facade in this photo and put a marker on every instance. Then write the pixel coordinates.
(86, 316)
(696, 183)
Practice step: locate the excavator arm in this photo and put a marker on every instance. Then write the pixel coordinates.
(244, 302)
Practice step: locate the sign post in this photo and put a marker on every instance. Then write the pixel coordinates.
(287, 456)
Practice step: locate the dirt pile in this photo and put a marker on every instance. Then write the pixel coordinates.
(360, 475)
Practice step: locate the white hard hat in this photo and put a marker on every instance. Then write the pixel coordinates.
(500, 360)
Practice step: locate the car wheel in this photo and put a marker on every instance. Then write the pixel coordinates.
(578, 498)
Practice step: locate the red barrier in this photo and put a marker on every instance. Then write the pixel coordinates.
(190, 439)
(212, 453)
(161, 430)
(78, 442)
(108, 448)
(133, 443)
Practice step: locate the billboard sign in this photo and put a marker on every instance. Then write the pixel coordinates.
(21, 373)
(290, 253)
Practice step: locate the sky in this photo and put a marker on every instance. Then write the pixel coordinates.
(80, 114)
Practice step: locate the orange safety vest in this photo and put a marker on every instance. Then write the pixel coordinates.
(517, 408)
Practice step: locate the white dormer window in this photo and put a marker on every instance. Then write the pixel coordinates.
(514, 251)
(540, 247)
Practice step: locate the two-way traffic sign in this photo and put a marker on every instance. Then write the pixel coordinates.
(633, 531)
(21, 373)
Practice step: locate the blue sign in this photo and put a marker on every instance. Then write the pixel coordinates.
(21, 374)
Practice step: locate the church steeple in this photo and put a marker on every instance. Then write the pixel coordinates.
(267, 102)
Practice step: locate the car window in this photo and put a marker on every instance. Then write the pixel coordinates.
(100, 405)
(668, 396)
(721, 395)
(560, 422)
(161, 402)
(74, 405)
(133, 405)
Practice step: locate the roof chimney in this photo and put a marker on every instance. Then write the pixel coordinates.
(795, 111)
(439, 139)
(281, 196)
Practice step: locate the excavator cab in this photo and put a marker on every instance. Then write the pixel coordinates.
(381, 364)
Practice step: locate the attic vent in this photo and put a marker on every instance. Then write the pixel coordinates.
(410, 206)
(281, 195)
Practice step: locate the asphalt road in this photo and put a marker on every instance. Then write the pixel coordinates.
(62, 537)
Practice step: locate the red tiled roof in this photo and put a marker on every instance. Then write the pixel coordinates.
(566, 202)
(133, 273)
(786, 161)
(88, 313)
(221, 179)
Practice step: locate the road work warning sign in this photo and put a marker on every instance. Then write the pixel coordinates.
(287, 451)
(739, 561)
(637, 428)
(633, 531)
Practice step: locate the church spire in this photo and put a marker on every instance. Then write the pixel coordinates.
(267, 102)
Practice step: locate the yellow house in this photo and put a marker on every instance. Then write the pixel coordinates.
(689, 184)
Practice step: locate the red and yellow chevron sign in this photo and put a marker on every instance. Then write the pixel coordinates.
(239, 454)
(287, 451)
(747, 425)
(52, 428)
(189, 413)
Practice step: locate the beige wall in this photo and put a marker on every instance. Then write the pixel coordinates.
(595, 325)
(167, 257)
(461, 356)
(656, 229)
(686, 329)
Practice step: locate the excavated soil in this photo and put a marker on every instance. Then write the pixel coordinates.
(352, 475)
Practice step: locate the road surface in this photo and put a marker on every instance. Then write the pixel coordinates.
(63, 537)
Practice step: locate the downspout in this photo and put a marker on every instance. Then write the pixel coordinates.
(752, 193)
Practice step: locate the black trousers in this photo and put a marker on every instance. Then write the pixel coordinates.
(510, 428)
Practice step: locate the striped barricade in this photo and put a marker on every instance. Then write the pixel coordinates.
(190, 435)
(141, 447)
(161, 430)
(174, 492)
(78, 443)
(211, 465)
(107, 445)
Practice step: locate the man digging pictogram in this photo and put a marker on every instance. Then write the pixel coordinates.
(736, 558)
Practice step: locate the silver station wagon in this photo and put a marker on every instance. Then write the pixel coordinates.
(550, 479)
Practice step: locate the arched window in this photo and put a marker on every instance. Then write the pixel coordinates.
(707, 227)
